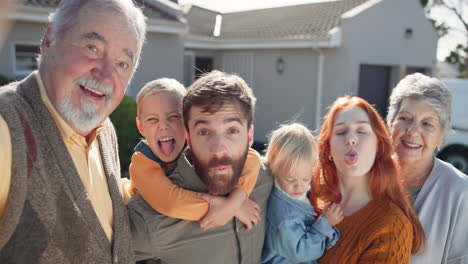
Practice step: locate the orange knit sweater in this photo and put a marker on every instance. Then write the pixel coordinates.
(377, 233)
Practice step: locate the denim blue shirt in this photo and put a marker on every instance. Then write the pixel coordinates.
(143, 147)
(293, 235)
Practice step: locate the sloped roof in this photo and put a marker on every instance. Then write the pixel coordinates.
(201, 21)
(290, 22)
(149, 8)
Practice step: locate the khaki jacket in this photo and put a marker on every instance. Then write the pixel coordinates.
(179, 241)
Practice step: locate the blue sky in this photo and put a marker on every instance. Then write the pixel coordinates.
(445, 44)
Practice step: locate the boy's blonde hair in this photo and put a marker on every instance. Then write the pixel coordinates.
(160, 85)
(290, 146)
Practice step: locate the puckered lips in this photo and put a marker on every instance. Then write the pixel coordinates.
(351, 157)
(410, 145)
(166, 144)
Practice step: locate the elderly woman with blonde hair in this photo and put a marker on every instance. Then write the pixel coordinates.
(419, 121)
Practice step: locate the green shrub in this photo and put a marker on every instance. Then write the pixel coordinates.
(128, 136)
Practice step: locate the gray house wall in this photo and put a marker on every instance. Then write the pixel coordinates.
(20, 33)
(162, 56)
(289, 96)
(383, 27)
(241, 63)
(375, 36)
(280, 97)
(336, 76)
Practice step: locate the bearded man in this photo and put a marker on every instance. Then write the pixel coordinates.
(218, 112)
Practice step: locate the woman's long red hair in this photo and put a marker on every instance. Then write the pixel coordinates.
(385, 182)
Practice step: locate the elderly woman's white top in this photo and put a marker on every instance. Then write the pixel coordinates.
(442, 207)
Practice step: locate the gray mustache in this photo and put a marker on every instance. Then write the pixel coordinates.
(94, 84)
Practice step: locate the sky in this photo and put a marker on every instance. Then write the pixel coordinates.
(445, 44)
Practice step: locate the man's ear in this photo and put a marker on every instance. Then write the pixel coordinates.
(250, 135)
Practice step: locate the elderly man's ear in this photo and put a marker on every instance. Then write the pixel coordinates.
(46, 40)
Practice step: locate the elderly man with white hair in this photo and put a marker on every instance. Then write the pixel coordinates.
(59, 189)
(419, 120)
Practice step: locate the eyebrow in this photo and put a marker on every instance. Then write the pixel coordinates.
(200, 122)
(129, 53)
(424, 117)
(359, 122)
(168, 113)
(232, 119)
(96, 36)
(225, 121)
(404, 112)
(148, 114)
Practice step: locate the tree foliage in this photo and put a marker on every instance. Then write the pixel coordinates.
(128, 136)
(458, 56)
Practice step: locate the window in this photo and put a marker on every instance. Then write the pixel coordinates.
(25, 58)
(203, 65)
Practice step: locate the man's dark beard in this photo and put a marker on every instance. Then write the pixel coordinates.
(202, 172)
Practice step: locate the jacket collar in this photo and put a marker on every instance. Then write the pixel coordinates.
(294, 202)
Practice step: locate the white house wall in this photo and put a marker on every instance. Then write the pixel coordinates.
(162, 56)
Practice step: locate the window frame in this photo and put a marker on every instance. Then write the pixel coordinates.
(16, 71)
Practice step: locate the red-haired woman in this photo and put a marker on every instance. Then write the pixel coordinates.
(358, 172)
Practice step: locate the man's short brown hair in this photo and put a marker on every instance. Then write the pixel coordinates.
(214, 89)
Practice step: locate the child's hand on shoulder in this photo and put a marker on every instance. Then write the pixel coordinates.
(249, 214)
(219, 212)
(334, 213)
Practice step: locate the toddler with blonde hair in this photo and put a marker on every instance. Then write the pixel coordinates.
(294, 232)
